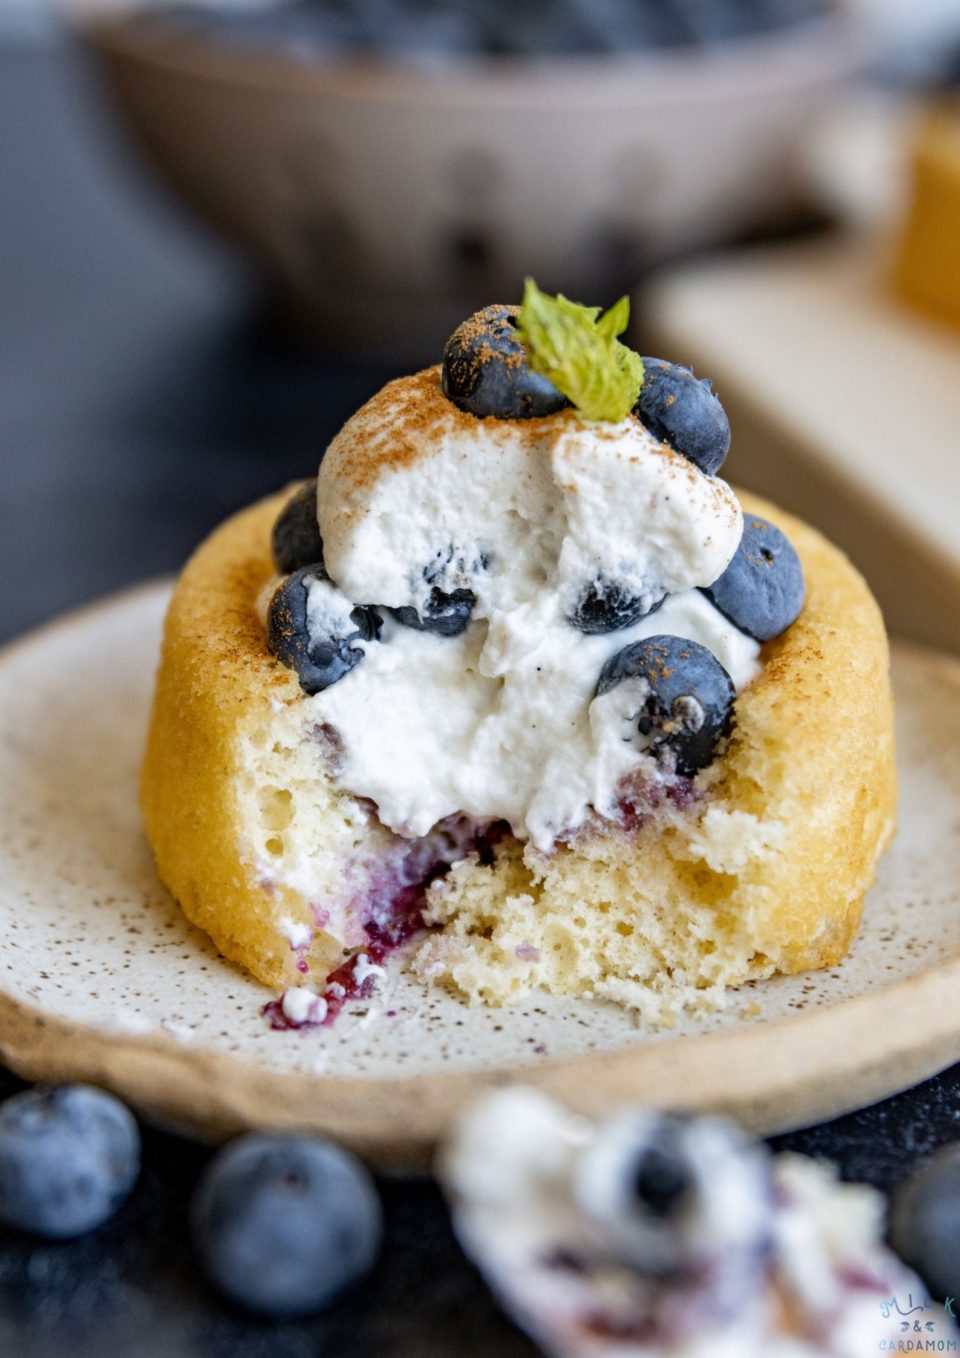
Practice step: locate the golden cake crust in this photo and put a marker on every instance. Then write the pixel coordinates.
(773, 861)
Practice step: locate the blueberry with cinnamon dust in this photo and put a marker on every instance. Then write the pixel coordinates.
(682, 411)
(315, 630)
(485, 370)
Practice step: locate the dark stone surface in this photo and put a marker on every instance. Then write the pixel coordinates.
(138, 404)
(131, 1288)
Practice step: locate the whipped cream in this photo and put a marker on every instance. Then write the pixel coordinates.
(500, 722)
(364, 970)
(299, 936)
(300, 1006)
(413, 494)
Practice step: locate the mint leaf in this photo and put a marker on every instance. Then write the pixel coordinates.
(577, 349)
(613, 322)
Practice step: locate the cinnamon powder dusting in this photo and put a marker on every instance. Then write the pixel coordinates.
(409, 417)
(406, 420)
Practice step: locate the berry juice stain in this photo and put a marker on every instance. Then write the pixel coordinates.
(395, 914)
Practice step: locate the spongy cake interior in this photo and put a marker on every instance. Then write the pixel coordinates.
(763, 870)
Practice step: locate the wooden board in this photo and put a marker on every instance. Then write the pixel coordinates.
(102, 979)
(844, 405)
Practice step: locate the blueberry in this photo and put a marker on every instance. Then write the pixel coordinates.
(449, 604)
(485, 370)
(661, 1180)
(762, 590)
(661, 1183)
(609, 606)
(681, 410)
(69, 1156)
(282, 1224)
(445, 614)
(419, 33)
(304, 31)
(311, 628)
(296, 540)
(686, 705)
(925, 1221)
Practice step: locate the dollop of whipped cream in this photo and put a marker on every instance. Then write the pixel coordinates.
(648, 1236)
(415, 494)
(500, 722)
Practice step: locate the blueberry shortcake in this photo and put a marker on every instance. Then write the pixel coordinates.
(519, 681)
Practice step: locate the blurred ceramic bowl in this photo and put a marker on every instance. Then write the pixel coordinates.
(373, 192)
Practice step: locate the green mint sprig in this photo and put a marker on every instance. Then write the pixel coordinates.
(577, 349)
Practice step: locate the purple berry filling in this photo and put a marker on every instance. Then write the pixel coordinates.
(392, 909)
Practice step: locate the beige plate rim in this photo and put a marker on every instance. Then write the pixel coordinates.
(776, 1076)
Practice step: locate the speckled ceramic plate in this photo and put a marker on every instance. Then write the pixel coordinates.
(102, 979)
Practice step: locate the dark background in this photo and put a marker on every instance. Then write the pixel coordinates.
(141, 400)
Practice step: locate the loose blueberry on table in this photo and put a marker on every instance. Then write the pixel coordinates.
(925, 1221)
(69, 1156)
(283, 1224)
